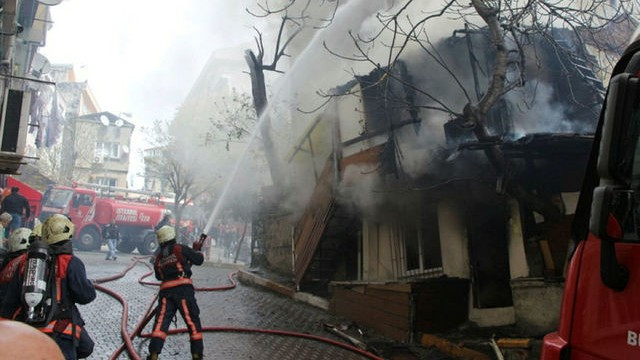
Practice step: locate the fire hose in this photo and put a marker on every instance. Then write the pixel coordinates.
(151, 311)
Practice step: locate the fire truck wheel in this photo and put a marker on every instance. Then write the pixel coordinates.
(88, 240)
(149, 245)
(126, 246)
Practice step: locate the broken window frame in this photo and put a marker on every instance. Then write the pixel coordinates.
(427, 231)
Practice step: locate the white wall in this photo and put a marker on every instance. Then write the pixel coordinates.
(453, 239)
(517, 258)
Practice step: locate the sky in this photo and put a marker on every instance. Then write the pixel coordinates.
(142, 56)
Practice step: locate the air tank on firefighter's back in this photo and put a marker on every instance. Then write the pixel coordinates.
(127, 213)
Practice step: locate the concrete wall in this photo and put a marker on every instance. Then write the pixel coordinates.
(537, 305)
(500, 316)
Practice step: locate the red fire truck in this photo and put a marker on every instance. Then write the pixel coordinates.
(90, 212)
(600, 316)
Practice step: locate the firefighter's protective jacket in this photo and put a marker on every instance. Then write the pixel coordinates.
(15, 261)
(172, 266)
(71, 278)
(173, 262)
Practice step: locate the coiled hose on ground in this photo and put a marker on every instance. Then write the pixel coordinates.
(151, 311)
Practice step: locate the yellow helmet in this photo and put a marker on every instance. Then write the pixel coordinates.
(57, 228)
(19, 239)
(165, 233)
(36, 233)
(37, 230)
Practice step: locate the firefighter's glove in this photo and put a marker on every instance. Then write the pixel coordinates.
(197, 245)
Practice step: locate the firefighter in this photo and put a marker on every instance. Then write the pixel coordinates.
(18, 245)
(172, 266)
(72, 287)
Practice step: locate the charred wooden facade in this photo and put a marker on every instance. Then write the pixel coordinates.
(406, 211)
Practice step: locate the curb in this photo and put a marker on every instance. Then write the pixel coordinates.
(253, 279)
(223, 265)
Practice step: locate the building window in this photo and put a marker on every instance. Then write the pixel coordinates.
(107, 181)
(107, 150)
(421, 240)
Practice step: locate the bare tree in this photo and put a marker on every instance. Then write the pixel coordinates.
(169, 164)
(49, 161)
(294, 18)
(234, 120)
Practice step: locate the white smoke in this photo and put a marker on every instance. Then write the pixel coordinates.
(360, 188)
(534, 110)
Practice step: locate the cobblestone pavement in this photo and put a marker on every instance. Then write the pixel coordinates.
(244, 306)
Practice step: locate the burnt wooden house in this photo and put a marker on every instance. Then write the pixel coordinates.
(408, 227)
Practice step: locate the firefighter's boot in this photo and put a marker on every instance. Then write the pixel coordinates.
(152, 356)
(196, 356)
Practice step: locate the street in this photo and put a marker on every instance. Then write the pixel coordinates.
(243, 306)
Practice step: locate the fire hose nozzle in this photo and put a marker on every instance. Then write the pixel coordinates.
(197, 245)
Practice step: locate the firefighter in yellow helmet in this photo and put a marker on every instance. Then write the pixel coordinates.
(172, 266)
(69, 286)
(18, 245)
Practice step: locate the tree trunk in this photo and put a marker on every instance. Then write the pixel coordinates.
(545, 207)
(476, 115)
(258, 90)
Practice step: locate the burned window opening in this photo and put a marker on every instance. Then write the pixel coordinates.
(336, 257)
(421, 240)
(386, 95)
